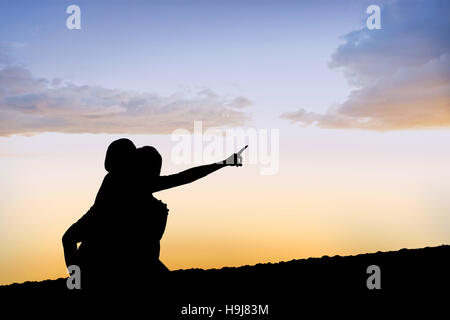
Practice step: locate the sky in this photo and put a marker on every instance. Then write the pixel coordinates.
(362, 116)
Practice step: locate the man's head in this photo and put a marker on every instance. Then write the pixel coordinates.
(148, 161)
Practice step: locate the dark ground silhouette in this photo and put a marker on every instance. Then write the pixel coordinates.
(409, 279)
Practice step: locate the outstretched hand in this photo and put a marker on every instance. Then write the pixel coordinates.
(235, 159)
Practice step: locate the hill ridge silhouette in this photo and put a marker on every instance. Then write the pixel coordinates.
(410, 279)
(260, 266)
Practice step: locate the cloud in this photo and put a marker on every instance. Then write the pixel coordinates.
(30, 105)
(401, 72)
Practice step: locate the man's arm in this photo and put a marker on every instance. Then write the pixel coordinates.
(192, 174)
(187, 176)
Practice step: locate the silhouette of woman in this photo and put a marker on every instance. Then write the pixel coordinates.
(125, 211)
(96, 228)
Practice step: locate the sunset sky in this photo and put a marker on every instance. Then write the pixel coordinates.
(363, 118)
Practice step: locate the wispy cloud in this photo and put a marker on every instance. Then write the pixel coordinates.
(30, 105)
(401, 72)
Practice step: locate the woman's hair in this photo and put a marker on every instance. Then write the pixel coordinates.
(119, 155)
(148, 160)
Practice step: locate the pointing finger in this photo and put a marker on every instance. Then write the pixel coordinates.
(242, 150)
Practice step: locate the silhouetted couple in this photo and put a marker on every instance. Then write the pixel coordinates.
(120, 233)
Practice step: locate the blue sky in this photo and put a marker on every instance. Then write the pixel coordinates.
(229, 47)
(277, 55)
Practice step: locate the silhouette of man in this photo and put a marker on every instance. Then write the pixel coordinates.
(122, 230)
(153, 212)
